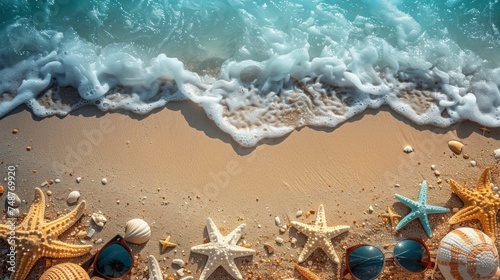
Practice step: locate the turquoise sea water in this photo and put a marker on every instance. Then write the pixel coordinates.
(259, 69)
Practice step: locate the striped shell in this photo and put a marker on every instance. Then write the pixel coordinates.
(467, 253)
(137, 231)
(65, 271)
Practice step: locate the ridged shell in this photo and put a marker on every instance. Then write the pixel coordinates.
(467, 253)
(137, 231)
(65, 271)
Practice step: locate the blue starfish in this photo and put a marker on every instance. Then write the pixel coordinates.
(419, 209)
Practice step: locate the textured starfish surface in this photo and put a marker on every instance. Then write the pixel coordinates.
(35, 238)
(307, 273)
(166, 244)
(319, 236)
(154, 269)
(390, 216)
(419, 209)
(480, 204)
(222, 250)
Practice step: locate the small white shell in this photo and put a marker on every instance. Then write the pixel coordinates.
(65, 271)
(408, 149)
(99, 219)
(467, 253)
(137, 231)
(73, 197)
(178, 262)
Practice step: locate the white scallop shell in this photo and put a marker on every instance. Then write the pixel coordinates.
(137, 231)
(467, 253)
(65, 271)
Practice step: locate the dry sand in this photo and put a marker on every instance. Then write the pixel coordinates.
(174, 168)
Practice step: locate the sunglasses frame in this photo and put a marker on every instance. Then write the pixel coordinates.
(349, 250)
(118, 239)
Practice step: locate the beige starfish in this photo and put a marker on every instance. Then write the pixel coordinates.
(35, 239)
(154, 269)
(390, 216)
(481, 204)
(166, 244)
(319, 236)
(307, 273)
(485, 130)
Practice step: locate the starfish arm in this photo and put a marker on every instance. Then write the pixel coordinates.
(408, 218)
(331, 232)
(488, 221)
(422, 197)
(204, 249)
(26, 262)
(232, 269)
(235, 235)
(484, 182)
(465, 214)
(406, 201)
(62, 224)
(213, 232)
(424, 220)
(236, 251)
(463, 193)
(4, 231)
(59, 249)
(327, 247)
(310, 246)
(301, 227)
(430, 209)
(36, 213)
(320, 216)
(209, 268)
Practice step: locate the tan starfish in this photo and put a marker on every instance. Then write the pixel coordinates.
(390, 216)
(307, 273)
(35, 239)
(166, 244)
(485, 130)
(319, 236)
(481, 204)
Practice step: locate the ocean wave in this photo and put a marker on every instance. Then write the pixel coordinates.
(259, 69)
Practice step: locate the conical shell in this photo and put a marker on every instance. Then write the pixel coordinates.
(137, 231)
(65, 271)
(467, 253)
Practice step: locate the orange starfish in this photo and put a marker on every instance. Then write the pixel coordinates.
(34, 238)
(390, 216)
(481, 204)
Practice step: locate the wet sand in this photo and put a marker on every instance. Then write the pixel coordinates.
(174, 168)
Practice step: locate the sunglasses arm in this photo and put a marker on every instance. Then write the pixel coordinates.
(86, 265)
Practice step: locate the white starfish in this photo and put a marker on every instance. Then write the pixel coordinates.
(154, 269)
(319, 236)
(222, 250)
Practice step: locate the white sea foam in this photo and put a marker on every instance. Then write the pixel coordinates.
(259, 69)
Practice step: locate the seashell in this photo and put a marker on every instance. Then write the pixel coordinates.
(99, 219)
(154, 269)
(178, 262)
(73, 197)
(496, 153)
(104, 181)
(65, 271)
(467, 253)
(408, 149)
(455, 147)
(137, 231)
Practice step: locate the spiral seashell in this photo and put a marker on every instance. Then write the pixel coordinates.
(137, 231)
(65, 271)
(467, 253)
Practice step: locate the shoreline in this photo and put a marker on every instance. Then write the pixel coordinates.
(174, 168)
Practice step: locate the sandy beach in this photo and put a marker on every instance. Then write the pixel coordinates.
(174, 168)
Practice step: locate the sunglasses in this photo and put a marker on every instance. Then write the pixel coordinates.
(365, 262)
(113, 261)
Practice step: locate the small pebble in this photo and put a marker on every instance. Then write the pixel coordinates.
(455, 147)
(496, 153)
(57, 180)
(49, 193)
(178, 262)
(98, 241)
(293, 241)
(277, 221)
(437, 173)
(433, 167)
(495, 188)
(13, 213)
(279, 240)
(104, 181)
(473, 163)
(180, 272)
(91, 233)
(29, 148)
(82, 234)
(370, 209)
(44, 184)
(78, 179)
(298, 214)
(408, 149)
(269, 248)
(454, 210)
(1, 189)
(397, 185)
(15, 131)
(15, 203)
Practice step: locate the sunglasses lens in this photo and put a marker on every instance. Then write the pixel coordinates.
(114, 261)
(411, 255)
(366, 262)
